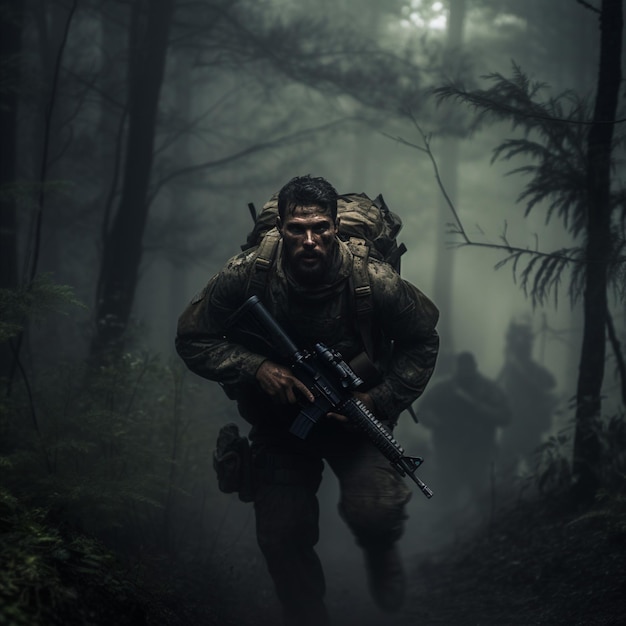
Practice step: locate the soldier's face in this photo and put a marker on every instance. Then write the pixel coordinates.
(309, 240)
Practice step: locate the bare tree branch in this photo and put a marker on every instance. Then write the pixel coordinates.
(589, 6)
(253, 149)
(543, 271)
(459, 227)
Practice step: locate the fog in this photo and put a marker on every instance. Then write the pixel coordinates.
(251, 95)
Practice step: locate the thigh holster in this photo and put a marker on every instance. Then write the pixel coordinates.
(232, 461)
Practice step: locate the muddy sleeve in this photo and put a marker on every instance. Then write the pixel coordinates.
(409, 318)
(201, 338)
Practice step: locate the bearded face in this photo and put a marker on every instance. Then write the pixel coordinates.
(309, 240)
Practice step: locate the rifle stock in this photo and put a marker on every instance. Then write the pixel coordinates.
(332, 381)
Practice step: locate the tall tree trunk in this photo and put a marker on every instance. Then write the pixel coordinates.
(10, 52)
(180, 197)
(592, 358)
(113, 107)
(449, 166)
(51, 63)
(122, 252)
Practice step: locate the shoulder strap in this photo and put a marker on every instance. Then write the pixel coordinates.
(257, 281)
(363, 298)
(362, 291)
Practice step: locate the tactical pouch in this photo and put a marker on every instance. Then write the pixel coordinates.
(363, 367)
(232, 461)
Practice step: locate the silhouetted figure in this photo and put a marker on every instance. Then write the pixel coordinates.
(529, 388)
(464, 413)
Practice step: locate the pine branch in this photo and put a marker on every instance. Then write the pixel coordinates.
(513, 100)
(543, 271)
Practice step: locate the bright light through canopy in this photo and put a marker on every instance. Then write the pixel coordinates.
(424, 14)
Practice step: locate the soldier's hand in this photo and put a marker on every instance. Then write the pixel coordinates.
(280, 384)
(364, 398)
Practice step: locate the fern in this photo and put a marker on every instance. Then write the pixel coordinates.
(49, 577)
(33, 302)
(553, 139)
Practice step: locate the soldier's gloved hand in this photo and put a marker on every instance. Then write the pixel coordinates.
(280, 384)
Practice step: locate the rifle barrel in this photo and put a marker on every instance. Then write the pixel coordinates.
(276, 334)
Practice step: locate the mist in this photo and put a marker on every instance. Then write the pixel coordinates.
(135, 136)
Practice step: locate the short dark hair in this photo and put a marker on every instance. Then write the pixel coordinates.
(307, 191)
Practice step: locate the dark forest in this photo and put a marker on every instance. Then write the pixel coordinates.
(134, 135)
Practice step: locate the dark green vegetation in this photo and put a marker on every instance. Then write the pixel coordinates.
(533, 565)
(54, 576)
(106, 484)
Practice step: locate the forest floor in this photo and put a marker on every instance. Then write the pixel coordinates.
(535, 563)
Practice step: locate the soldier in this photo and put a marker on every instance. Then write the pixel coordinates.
(530, 389)
(464, 413)
(309, 292)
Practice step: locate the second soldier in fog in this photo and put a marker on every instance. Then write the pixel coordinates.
(464, 413)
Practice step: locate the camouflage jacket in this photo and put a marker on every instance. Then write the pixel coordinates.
(401, 313)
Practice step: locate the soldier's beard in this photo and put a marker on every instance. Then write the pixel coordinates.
(312, 273)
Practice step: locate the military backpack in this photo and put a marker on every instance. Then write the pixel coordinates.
(367, 226)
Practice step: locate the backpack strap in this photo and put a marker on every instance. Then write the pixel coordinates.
(266, 252)
(363, 299)
(362, 292)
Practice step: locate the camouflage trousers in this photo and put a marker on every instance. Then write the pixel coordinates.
(288, 474)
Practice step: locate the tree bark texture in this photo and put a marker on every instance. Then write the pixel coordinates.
(122, 252)
(592, 359)
(10, 51)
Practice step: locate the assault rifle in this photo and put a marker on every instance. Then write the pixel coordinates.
(331, 380)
